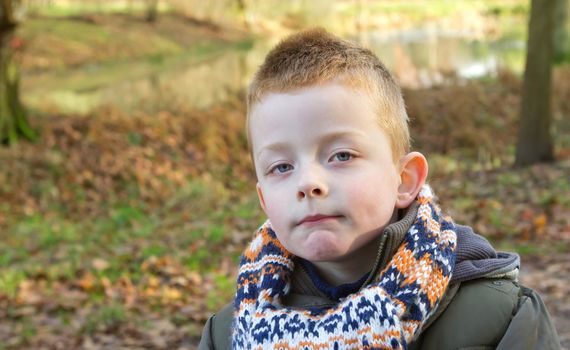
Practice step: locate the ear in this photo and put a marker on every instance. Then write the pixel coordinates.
(413, 174)
(260, 197)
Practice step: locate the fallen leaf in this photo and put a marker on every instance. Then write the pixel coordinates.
(99, 264)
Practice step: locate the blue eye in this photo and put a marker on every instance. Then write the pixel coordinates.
(342, 156)
(281, 168)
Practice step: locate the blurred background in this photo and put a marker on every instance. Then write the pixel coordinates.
(126, 188)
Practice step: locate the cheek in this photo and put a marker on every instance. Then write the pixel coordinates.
(371, 203)
(276, 210)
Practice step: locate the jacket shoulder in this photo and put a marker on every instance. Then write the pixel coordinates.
(476, 318)
(532, 326)
(218, 330)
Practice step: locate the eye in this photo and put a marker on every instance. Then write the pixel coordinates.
(280, 168)
(341, 156)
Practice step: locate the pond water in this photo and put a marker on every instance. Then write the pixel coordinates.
(418, 58)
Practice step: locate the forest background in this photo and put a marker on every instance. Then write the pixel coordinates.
(121, 223)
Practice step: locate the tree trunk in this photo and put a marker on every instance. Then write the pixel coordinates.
(7, 19)
(13, 122)
(151, 10)
(534, 143)
(562, 31)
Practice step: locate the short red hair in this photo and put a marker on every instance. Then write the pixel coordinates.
(315, 57)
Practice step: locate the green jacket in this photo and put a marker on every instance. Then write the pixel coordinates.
(491, 312)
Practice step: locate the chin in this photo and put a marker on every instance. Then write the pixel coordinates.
(319, 246)
(324, 252)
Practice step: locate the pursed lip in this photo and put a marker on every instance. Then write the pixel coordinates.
(310, 219)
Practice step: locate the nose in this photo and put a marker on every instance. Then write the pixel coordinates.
(312, 184)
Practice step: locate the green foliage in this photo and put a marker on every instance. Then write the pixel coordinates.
(223, 291)
(509, 179)
(562, 59)
(506, 9)
(134, 138)
(154, 250)
(216, 233)
(199, 260)
(9, 281)
(105, 317)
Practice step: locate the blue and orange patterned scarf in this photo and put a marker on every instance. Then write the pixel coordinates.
(389, 313)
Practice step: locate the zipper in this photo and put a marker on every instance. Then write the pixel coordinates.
(376, 262)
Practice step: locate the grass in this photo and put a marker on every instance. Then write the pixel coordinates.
(62, 249)
(420, 9)
(532, 248)
(10, 280)
(105, 317)
(69, 9)
(79, 41)
(137, 56)
(223, 292)
(273, 8)
(65, 42)
(71, 31)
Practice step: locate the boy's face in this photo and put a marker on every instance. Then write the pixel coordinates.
(326, 177)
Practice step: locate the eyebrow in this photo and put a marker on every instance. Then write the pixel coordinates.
(277, 146)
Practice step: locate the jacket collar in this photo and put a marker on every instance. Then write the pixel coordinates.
(305, 294)
(302, 288)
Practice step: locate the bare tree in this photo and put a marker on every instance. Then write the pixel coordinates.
(534, 143)
(13, 122)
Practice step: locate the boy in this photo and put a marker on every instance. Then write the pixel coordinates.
(356, 253)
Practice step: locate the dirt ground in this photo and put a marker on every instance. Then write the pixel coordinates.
(549, 275)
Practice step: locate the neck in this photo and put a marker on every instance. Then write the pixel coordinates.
(351, 267)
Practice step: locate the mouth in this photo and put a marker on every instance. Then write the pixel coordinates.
(318, 218)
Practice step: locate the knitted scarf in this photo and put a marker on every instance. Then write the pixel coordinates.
(388, 313)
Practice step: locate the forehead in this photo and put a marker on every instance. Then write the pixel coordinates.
(295, 116)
